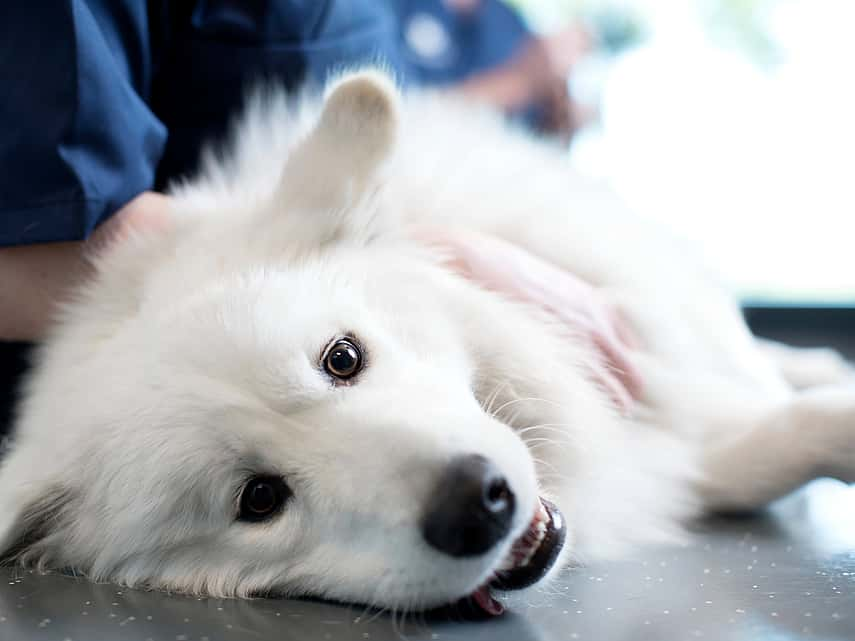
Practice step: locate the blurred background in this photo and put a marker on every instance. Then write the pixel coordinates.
(731, 122)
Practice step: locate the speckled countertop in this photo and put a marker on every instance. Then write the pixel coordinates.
(784, 576)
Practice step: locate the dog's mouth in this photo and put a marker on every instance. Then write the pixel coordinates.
(531, 557)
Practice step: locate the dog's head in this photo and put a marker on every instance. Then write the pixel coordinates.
(286, 397)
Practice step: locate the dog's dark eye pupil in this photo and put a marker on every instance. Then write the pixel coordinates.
(262, 497)
(343, 360)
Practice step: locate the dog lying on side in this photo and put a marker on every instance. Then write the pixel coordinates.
(283, 393)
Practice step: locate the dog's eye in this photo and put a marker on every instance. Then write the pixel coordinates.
(262, 497)
(343, 359)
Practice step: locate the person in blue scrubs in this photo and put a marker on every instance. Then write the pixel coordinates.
(106, 101)
(484, 50)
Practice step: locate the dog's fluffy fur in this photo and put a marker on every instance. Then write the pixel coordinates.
(191, 361)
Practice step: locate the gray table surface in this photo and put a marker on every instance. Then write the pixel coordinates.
(787, 575)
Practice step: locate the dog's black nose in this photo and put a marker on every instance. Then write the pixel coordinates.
(470, 510)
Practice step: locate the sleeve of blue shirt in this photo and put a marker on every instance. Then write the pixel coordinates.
(77, 139)
(91, 87)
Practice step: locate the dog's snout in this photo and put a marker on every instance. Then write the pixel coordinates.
(471, 508)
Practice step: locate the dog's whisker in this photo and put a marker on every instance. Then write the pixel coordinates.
(396, 610)
(374, 601)
(370, 604)
(534, 441)
(556, 476)
(556, 436)
(418, 614)
(527, 399)
(539, 461)
(487, 405)
(556, 426)
(380, 611)
(513, 417)
(543, 428)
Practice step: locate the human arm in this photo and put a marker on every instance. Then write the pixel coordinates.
(35, 278)
(77, 142)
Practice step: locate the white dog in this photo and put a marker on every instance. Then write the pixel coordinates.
(283, 393)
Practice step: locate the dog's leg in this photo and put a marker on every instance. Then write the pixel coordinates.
(810, 436)
(804, 367)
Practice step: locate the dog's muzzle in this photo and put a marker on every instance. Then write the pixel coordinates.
(472, 510)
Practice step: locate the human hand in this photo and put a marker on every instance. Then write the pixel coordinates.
(536, 75)
(509, 269)
(547, 61)
(34, 278)
(149, 210)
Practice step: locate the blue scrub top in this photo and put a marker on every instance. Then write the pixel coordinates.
(103, 99)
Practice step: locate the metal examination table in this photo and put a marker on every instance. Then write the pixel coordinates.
(783, 576)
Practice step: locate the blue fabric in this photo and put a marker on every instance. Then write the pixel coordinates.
(465, 42)
(103, 99)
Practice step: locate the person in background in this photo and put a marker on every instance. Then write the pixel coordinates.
(484, 50)
(106, 101)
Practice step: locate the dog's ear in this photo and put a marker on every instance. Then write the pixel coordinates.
(339, 164)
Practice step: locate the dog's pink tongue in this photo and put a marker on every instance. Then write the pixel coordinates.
(484, 598)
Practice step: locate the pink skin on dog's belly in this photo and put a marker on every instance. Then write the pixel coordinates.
(508, 269)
